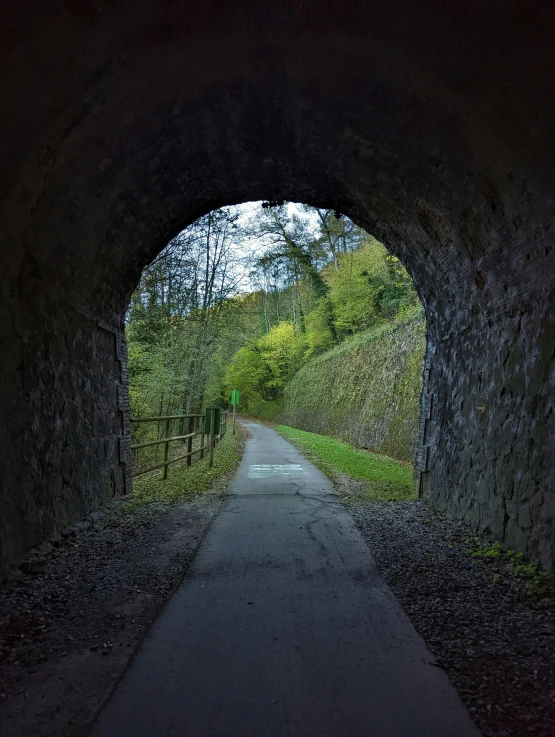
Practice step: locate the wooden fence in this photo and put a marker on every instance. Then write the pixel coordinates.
(196, 427)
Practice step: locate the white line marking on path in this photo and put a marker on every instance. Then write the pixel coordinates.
(262, 471)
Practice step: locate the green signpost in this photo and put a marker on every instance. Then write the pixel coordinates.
(234, 403)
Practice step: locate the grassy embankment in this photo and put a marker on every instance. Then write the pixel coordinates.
(185, 482)
(376, 477)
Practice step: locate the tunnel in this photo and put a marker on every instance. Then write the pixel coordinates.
(431, 125)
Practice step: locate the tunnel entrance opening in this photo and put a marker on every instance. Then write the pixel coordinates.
(127, 125)
(247, 296)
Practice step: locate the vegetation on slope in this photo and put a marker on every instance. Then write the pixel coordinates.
(365, 391)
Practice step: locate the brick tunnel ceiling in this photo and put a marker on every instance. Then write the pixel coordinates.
(427, 126)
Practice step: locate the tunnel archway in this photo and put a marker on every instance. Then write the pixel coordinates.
(128, 122)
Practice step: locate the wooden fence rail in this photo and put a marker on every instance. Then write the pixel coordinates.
(196, 427)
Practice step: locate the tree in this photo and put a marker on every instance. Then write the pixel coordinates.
(356, 286)
(338, 234)
(294, 248)
(176, 314)
(282, 350)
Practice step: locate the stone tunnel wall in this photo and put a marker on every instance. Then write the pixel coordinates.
(128, 121)
(71, 435)
(487, 415)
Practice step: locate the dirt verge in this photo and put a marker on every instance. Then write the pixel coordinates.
(74, 612)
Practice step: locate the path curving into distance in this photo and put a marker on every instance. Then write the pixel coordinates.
(283, 627)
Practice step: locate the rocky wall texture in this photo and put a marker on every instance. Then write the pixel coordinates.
(485, 454)
(69, 438)
(366, 391)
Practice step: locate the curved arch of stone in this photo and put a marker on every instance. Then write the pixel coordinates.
(430, 126)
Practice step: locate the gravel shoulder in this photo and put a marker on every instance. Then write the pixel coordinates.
(76, 610)
(495, 642)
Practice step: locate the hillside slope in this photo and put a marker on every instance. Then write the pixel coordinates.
(366, 391)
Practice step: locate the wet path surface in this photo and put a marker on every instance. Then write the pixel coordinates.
(283, 627)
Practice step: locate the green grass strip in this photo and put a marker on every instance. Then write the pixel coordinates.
(185, 482)
(379, 477)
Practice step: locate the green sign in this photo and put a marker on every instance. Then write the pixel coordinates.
(235, 397)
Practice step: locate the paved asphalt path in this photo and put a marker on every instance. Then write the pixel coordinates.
(283, 627)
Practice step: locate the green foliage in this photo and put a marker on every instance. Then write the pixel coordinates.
(318, 335)
(398, 294)
(494, 550)
(368, 286)
(356, 286)
(538, 584)
(383, 478)
(282, 351)
(248, 373)
(264, 409)
(261, 372)
(333, 285)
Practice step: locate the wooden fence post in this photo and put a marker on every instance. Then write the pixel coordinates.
(212, 441)
(202, 422)
(190, 440)
(166, 449)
